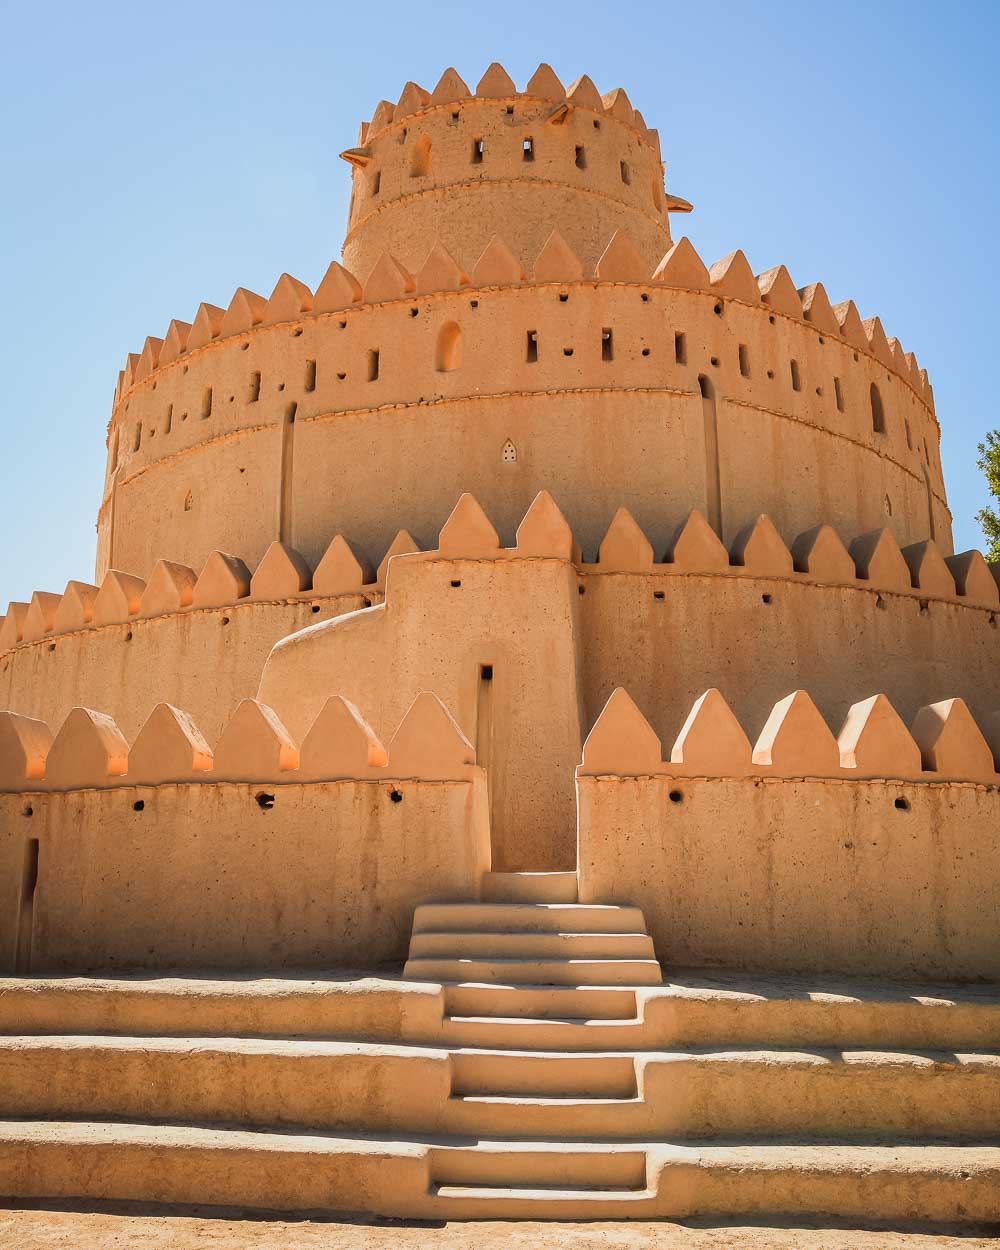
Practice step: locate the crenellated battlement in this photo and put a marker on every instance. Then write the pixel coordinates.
(943, 743)
(88, 750)
(460, 368)
(872, 561)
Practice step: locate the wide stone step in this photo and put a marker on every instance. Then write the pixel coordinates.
(573, 1118)
(537, 971)
(554, 1075)
(193, 1164)
(541, 1002)
(527, 1033)
(565, 1166)
(480, 945)
(530, 887)
(527, 918)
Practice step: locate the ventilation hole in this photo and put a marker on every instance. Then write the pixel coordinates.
(717, 310)
(822, 341)
(225, 620)
(264, 801)
(341, 376)
(138, 806)
(509, 453)
(715, 362)
(563, 297)
(128, 636)
(925, 607)
(473, 303)
(395, 796)
(52, 646)
(765, 598)
(315, 607)
(901, 805)
(597, 124)
(819, 391)
(414, 312)
(676, 796)
(645, 351)
(771, 319)
(659, 594)
(510, 110)
(342, 325)
(486, 672)
(880, 602)
(297, 333)
(770, 373)
(455, 584)
(243, 347)
(567, 351)
(281, 386)
(582, 589)
(644, 297)
(27, 810)
(366, 602)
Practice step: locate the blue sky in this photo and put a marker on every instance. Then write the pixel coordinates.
(154, 156)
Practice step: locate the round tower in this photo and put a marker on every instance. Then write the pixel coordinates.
(457, 168)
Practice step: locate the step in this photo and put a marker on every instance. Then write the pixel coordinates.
(539, 1165)
(537, 971)
(468, 1202)
(492, 1072)
(493, 945)
(536, 1033)
(540, 1002)
(530, 887)
(576, 1119)
(527, 918)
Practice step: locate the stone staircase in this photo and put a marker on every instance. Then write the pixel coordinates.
(531, 1063)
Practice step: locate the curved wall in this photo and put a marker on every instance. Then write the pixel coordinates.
(457, 173)
(342, 422)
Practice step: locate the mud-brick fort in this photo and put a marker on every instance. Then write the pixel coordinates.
(529, 748)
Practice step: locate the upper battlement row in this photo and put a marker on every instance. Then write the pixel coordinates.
(730, 279)
(496, 84)
(873, 560)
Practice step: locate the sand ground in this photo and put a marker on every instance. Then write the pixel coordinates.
(132, 1227)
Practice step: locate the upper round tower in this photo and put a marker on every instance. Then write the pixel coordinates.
(457, 168)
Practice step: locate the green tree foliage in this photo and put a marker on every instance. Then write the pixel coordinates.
(989, 518)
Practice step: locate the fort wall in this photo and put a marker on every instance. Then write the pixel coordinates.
(264, 853)
(804, 853)
(608, 391)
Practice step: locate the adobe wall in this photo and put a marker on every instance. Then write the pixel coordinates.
(443, 622)
(457, 171)
(842, 642)
(299, 443)
(202, 659)
(203, 877)
(801, 876)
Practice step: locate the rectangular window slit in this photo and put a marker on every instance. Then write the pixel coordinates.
(581, 157)
(26, 917)
(607, 345)
(680, 348)
(373, 365)
(528, 149)
(796, 376)
(532, 356)
(477, 151)
(310, 383)
(167, 425)
(744, 360)
(626, 173)
(206, 403)
(254, 392)
(137, 439)
(376, 182)
(838, 391)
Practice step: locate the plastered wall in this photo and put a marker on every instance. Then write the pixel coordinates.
(205, 877)
(360, 455)
(801, 876)
(203, 660)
